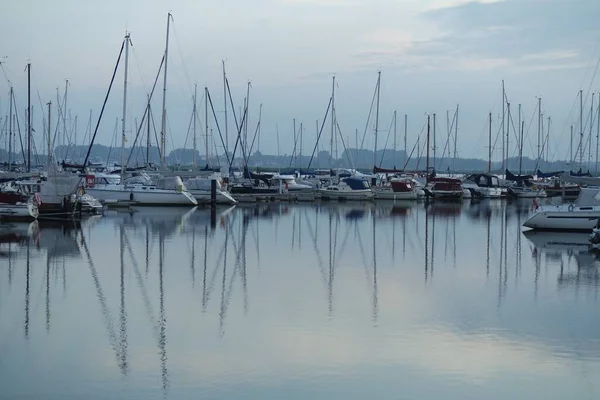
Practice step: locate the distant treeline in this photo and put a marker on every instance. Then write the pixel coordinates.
(350, 158)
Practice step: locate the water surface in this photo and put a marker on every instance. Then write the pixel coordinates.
(388, 300)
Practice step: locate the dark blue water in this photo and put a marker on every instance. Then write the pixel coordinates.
(395, 301)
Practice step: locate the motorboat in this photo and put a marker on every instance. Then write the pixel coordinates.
(350, 188)
(486, 186)
(200, 188)
(581, 215)
(168, 191)
(398, 189)
(444, 188)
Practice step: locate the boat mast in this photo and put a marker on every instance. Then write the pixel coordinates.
(490, 145)
(591, 126)
(580, 128)
(539, 127)
(548, 140)
(29, 117)
(64, 117)
(332, 121)
(508, 117)
(124, 120)
(148, 133)
(455, 140)
(225, 101)
(571, 147)
(503, 125)
(10, 132)
(434, 146)
(405, 129)
(49, 139)
(427, 167)
(520, 142)
(394, 139)
(206, 121)
(377, 119)
(194, 116)
(163, 125)
(301, 131)
(597, 133)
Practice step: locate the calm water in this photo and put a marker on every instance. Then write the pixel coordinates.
(402, 301)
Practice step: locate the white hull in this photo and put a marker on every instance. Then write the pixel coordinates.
(142, 195)
(490, 193)
(466, 194)
(528, 194)
(564, 218)
(18, 212)
(389, 194)
(358, 195)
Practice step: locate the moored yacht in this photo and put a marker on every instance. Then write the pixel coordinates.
(581, 215)
(141, 191)
(350, 188)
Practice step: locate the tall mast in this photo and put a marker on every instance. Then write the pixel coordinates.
(332, 121)
(590, 138)
(295, 154)
(124, 120)
(64, 118)
(520, 142)
(301, 129)
(548, 140)
(434, 146)
(10, 132)
(522, 128)
(455, 140)
(49, 138)
(427, 167)
(377, 118)
(503, 126)
(194, 116)
(394, 139)
(206, 121)
(405, 129)
(28, 117)
(597, 134)
(508, 117)
(539, 127)
(571, 147)
(247, 120)
(163, 125)
(148, 116)
(225, 102)
(580, 128)
(490, 145)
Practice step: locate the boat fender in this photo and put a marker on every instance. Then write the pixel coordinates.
(131, 196)
(571, 207)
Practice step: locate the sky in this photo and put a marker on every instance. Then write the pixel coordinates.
(433, 55)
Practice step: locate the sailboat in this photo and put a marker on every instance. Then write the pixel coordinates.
(169, 190)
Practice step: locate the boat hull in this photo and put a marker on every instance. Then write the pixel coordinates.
(391, 195)
(18, 212)
(560, 218)
(346, 195)
(140, 196)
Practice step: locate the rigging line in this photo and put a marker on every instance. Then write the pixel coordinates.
(344, 145)
(170, 134)
(146, 108)
(319, 135)
(368, 118)
(386, 142)
(218, 127)
(87, 156)
(180, 53)
(187, 136)
(137, 64)
(414, 147)
(533, 115)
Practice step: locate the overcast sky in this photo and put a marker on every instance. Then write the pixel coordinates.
(433, 55)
